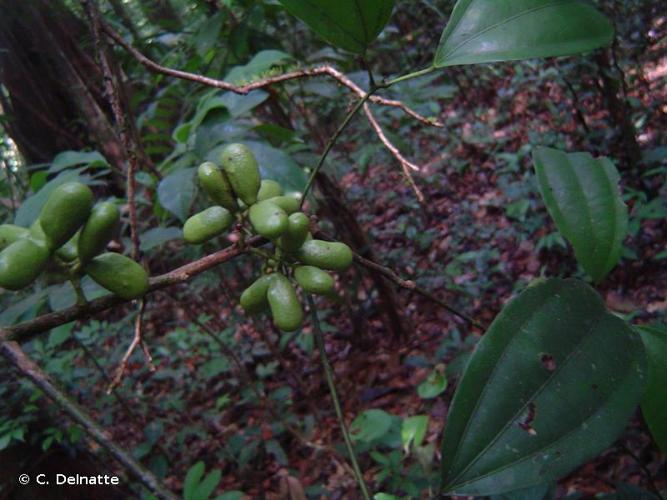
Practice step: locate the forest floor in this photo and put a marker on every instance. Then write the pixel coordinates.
(484, 236)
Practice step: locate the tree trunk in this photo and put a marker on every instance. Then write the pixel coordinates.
(347, 225)
(55, 99)
(620, 111)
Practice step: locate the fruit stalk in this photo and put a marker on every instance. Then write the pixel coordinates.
(328, 373)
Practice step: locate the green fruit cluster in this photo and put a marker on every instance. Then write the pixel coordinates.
(241, 195)
(72, 233)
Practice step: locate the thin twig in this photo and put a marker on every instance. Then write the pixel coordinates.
(137, 340)
(329, 375)
(332, 141)
(392, 276)
(15, 355)
(411, 285)
(406, 165)
(264, 82)
(113, 95)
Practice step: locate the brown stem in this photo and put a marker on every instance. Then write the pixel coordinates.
(113, 95)
(265, 82)
(15, 355)
(411, 285)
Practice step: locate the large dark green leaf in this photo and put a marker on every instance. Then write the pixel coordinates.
(349, 24)
(654, 402)
(482, 31)
(582, 196)
(550, 385)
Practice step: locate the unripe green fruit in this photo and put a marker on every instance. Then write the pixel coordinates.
(37, 235)
(268, 219)
(296, 233)
(269, 189)
(288, 203)
(21, 263)
(284, 303)
(334, 256)
(217, 186)
(207, 224)
(313, 280)
(242, 171)
(253, 299)
(98, 230)
(9, 233)
(119, 274)
(65, 212)
(68, 252)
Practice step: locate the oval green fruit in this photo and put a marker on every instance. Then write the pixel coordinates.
(207, 224)
(296, 232)
(119, 274)
(284, 303)
(334, 256)
(269, 189)
(253, 299)
(9, 233)
(288, 203)
(312, 279)
(65, 212)
(217, 186)
(37, 235)
(268, 219)
(68, 252)
(21, 263)
(241, 167)
(98, 230)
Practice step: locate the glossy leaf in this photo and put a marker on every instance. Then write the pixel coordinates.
(483, 31)
(550, 385)
(348, 24)
(654, 401)
(582, 196)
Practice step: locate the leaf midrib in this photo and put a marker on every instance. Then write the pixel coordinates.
(496, 25)
(486, 385)
(527, 457)
(537, 392)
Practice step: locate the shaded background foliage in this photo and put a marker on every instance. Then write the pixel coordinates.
(483, 234)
